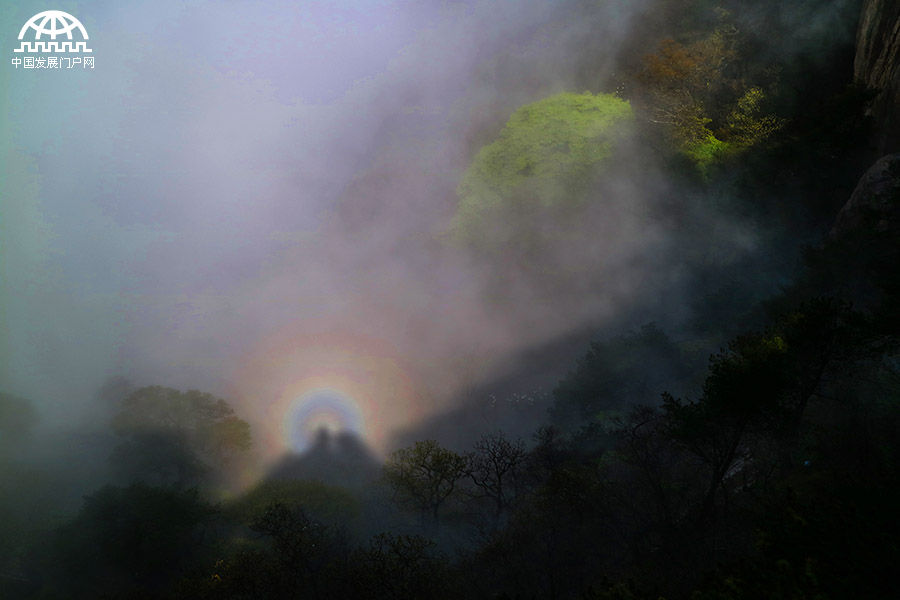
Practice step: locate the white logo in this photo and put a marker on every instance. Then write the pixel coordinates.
(45, 28)
(53, 23)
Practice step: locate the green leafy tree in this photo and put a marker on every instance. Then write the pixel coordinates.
(758, 391)
(538, 168)
(748, 124)
(423, 477)
(174, 437)
(695, 91)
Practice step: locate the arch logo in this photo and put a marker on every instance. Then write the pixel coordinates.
(53, 39)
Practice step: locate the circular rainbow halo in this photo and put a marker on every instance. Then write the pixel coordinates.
(317, 410)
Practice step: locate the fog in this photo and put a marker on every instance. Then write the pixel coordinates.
(253, 200)
(449, 299)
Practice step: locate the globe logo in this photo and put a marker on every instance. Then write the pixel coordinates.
(53, 24)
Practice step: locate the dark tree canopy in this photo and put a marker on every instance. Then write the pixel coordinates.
(424, 476)
(613, 375)
(176, 436)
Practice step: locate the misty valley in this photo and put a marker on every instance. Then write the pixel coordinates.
(481, 299)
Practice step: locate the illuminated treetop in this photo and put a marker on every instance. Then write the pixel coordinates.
(544, 156)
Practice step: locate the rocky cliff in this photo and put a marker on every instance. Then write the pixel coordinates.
(860, 257)
(875, 203)
(877, 66)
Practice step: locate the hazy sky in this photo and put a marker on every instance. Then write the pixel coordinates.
(248, 198)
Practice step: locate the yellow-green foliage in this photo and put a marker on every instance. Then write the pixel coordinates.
(705, 151)
(708, 112)
(747, 124)
(545, 153)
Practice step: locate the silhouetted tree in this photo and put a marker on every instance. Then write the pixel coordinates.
(424, 476)
(305, 549)
(401, 567)
(125, 542)
(618, 373)
(496, 467)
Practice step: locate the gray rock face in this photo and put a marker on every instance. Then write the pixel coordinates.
(877, 66)
(874, 205)
(859, 259)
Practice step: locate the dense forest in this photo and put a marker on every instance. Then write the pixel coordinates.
(736, 436)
